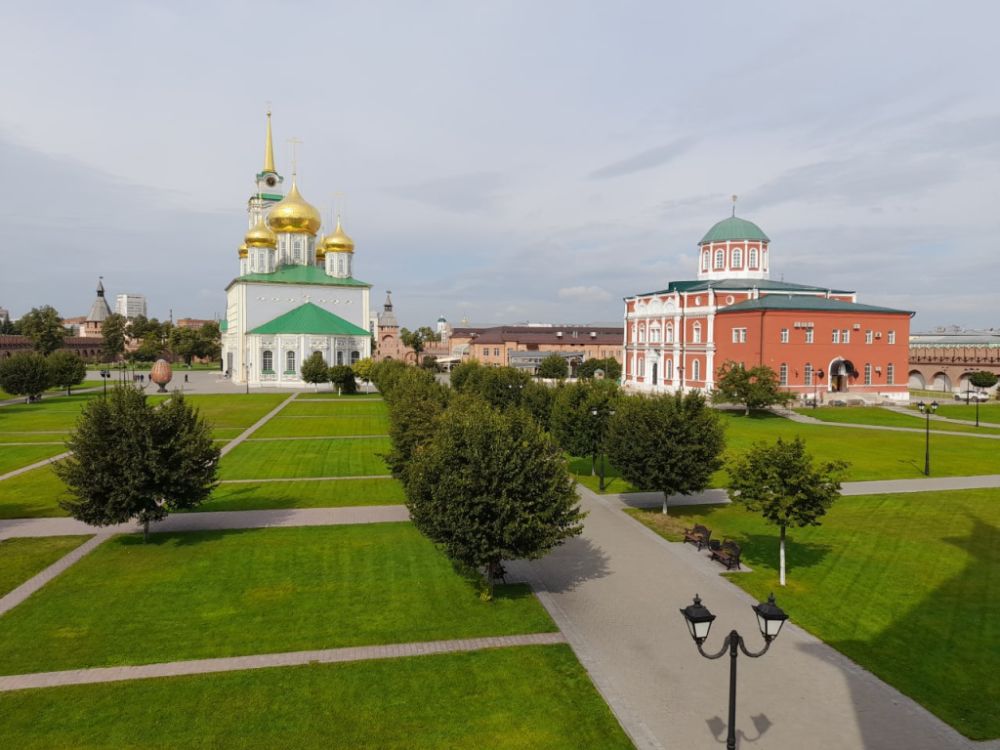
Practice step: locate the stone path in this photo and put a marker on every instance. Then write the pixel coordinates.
(615, 592)
(30, 467)
(29, 587)
(257, 425)
(263, 661)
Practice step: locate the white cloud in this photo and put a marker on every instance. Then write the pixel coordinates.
(583, 294)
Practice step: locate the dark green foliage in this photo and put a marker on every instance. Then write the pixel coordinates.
(612, 370)
(416, 339)
(462, 372)
(114, 330)
(538, 398)
(429, 362)
(8, 327)
(43, 325)
(574, 426)
(501, 387)
(983, 379)
(342, 377)
(133, 461)
(491, 485)
(314, 369)
(756, 388)
(415, 403)
(66, 369)
(386, 373)
(553, 366)
(25, 374)
(363, 369)
(670, 444)
(781, 482)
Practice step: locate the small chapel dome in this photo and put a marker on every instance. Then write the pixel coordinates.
(260, 235)
(338, 241)
(244, 251)
(293, 214)
(734, 228)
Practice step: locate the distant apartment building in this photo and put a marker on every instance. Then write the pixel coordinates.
(130, 305)
(524, 347)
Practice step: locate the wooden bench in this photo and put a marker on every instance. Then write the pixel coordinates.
(698, 536)
(727, 553)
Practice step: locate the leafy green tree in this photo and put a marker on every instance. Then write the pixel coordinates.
(491, 486)
(210, 341)
(983, 379)
(315, 370)
(342, 377)
(43, 325)
(538, 398)
(363, 370)
(185, 343)
(415, 403)
(386, 373)
(462, 372)
(501, 387)
(25, 374)
(781, 482)
(66, 369)
(573, 423)
(553, 366)
(8, 327)
(612, 370)
(756, 388)
(429, 362)
(670, 443)
(114, 329)
(131, 461)
(418, 338)
(139, 326)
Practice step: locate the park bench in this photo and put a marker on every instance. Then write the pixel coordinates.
(727, 553)
(698, 536)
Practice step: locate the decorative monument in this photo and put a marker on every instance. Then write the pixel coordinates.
(161, 374)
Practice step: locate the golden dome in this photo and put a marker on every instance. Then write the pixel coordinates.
(243, 250)
(260, 235)
(338, 242)
(294, 214)
(320, 250)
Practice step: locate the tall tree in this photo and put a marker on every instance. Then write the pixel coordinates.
(114, 329)
(415, 403)
(983, 379)
(573, 423)
(609, 366)
(342, 377)
(463, 372)
(25, 374)
(363, 370)
(315, 369)
(418, 338)
(131, 461)
(491, 486)
(66, 369)
(754, 388)
(781, 482)
(43, 325)
(210, 341)
(670, 443)
(553, 366)
(8, 327)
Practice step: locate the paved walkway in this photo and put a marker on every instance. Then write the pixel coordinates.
(616, 591)
(256, 425)
(263, 661)
(29, 587)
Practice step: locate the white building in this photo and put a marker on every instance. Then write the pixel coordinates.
(130, 305)
(295, 293)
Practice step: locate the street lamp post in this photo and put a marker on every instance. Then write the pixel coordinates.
(968, 392)
(927, 410)
(770, 618)
(603, 413)
(817, 376)
(246, 373)
(105, 376)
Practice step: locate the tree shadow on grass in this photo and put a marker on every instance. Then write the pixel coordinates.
(179, 538)
(761, 547)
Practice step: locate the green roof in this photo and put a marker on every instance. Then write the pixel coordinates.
(734, 228)
(293, 274)
(726, 285)
(309, 318)
(804, 302)
(224, 325)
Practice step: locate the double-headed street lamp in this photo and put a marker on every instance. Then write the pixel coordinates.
(770, 618)
(817, 376)
(968, 392)
(927, 410)
(602, 413)
(105, 375)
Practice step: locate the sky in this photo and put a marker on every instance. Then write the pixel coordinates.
(504, 162)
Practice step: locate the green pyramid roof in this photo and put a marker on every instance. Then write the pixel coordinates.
(309, 318)
(295, 274)
(734, 228)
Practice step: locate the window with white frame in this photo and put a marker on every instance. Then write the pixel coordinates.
(869, 336)
(654, 334)
(890, 374)
(696, 333)
(845, 336)
(784, 335)
(668, 370)
(267, 361)
(704, 260)
(340, 358)
(720, 259)
(752, 258)
(783, 374)
(868, 373)
(891, 338)
(696, 370)
(642, 368)
(739, 335)
(668, 333)
(807, 374)
(809, 335)
(737, 258)
(642, 335)
(836, 335)
(289, 361)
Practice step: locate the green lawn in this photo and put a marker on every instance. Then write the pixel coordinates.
(528, 698)
(56, 413)
(85, 384)
(988, 412)
(353, 424)
(34, 494)
(347, 408)
(32, 437)
(905, 585)
(206, 594)
(23, 557)
(232, 410)
(333, 394)
(874, 415)
(16, 456)
(332, 493)
(306, 458)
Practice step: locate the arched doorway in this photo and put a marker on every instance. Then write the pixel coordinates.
(917, 381)
(841, 371)
(941, 382)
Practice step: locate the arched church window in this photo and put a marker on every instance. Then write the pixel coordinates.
(668, 333)
(763, 258)
(355, 356)
(289, 361)
(668, 370)
(704, 261)
(654, 334)
(696, 333)
(642, 334)
(340, 358)
(720, 259)
(752, 259)
(696, 370)
(267, 361)
(737, 258)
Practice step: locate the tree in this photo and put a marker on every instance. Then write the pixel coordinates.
(210, 341)
(132, 461)
(185, 343)
(25, 374)
(8, 327)
(983, 379)
(781, 482)
(612, 370)
(553, 366)
(756, 388)
(462, 372)
(363, 369)
(415, 404)
(573, 424)
(491, 486)
(66, 369)
(669, 443)
(342, 377)
(315, 370)
(114, 329)
(386, 373)
(429, 362)
(43, 325)
(501, 387)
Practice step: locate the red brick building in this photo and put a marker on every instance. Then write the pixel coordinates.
(819, 340)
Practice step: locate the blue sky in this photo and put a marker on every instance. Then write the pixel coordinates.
(506, 161)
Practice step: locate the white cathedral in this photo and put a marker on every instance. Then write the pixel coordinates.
(296, 293)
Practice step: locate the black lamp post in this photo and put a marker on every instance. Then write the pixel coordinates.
(927, 410)
(603, 413)
(968, 392)
(770, 618)
(105, 375)
(246, 372)
(817, 376)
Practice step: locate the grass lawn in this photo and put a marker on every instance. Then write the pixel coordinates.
(988, 412)
(352, 424)
(32, 437)
(333, 394)
(905, 585)
(613, 483)
(15, 456)
(535, 697)
(85, 384)
(332, 493)
(34, 494)
(232, 410)
(306, 458)
(207, 594)
(874, 415)
(55, 413)
(346, 408)
(22, 558)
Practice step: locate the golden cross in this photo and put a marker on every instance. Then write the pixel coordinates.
(295, 142)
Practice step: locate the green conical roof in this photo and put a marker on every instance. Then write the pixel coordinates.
(310, 318)
(734, 228)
